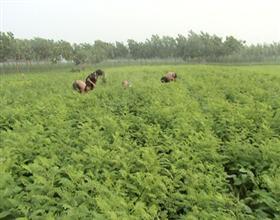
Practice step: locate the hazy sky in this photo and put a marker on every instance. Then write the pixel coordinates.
(255, 21)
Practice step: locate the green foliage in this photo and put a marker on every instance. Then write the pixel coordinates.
(193, 48)
(6, 45)
(204, 147)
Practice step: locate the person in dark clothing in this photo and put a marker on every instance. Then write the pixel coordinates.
(89, 83)
(91, 79)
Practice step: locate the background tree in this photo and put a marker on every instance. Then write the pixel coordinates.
(120, 50)
(232, 45)
(102, 51)
(65, 50)
(43, 49)
(7, 42)
(80, 54)
(193, 47)
(134, 48)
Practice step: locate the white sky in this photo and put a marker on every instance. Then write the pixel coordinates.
(256, 21)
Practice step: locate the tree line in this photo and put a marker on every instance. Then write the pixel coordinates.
(193, 47)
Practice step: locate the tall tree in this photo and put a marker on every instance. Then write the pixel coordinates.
(120, 50)
(6, 45)
(232, 45)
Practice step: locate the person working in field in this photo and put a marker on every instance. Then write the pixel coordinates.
(89, 83)
(170, 76)
(91, 79)
(80, 86)
(126, 84)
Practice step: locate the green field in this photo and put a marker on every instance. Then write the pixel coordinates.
(204, 147)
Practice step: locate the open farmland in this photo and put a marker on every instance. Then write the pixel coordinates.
(204, 147)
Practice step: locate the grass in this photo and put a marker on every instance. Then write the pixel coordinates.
(204, 147)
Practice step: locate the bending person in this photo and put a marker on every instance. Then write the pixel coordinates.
(91, 79)
(81, 86)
